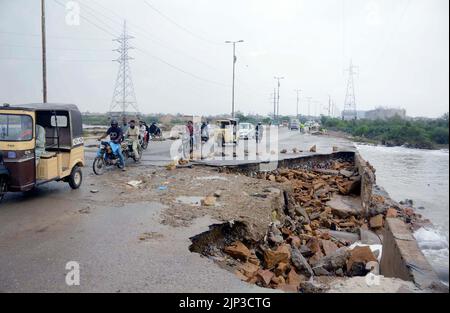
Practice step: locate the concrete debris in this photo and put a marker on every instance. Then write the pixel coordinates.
(135, 183)
(320, 234)
(238, 251)
(208, 201)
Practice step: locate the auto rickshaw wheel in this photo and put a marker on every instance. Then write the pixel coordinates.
(3, 186)
(75, 178)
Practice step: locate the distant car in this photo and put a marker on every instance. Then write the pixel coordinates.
(294, 124)
(246, 131)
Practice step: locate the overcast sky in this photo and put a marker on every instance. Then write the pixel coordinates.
(400, 46)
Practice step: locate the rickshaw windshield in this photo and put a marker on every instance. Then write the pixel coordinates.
(15, 127)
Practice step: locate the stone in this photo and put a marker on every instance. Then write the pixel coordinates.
(272, 258)
(336, 260)
(315, 259)
(376, 221)
(218, 193)
(302, 212)
(208, 201)
(288, 288)
(320, 271)
(408, 212)
(313, 149)
(265, 276)
(293, 278)
(238, 251)
(329, 247)
(307, 228)
(368, 237)
(313, 287)
(314, 245)
(344, 207)
(346, 173)
(283, 151)
(305, 251)
(254, 259)
(240, 275)
(391, 213)
(359, 257)
(278, 280)
(282, 269)
(248, 269)
(272, 178)
(300, 262)
(295, 241)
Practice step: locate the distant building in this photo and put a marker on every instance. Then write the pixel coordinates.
(385, 113)
(376, 114)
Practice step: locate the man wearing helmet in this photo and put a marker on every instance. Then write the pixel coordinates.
(115, 134)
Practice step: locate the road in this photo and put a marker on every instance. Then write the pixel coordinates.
(41, 232)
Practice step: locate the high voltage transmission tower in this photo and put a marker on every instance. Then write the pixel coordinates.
(124, 98)
(350, 112)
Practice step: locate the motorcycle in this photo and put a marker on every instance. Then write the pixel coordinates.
(106, 159)
(143, 140)
(127, 148)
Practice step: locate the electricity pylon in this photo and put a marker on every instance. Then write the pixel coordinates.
(124, 97)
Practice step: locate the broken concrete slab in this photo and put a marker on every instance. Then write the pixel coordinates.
(345, 207)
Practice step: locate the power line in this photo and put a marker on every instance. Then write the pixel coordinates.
(57, 48)
(89, 21)
(53, 36)
(158, 58)
(181, 70)
(144, 32)
(178, 25)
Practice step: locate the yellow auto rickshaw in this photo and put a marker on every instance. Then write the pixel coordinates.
(227, 131)
(40, 143)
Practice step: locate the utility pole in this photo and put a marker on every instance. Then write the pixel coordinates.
(350, 112)
(274, 104)
(309, 106)
(124, 95)
(234, 74)
(298, 98)
(329, 106)
(278, 96)
(44, 54)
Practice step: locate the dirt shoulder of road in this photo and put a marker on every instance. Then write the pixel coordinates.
(190, 193)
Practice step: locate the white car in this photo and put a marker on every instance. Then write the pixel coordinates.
(246, 131)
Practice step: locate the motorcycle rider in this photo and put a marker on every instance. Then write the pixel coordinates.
(143, 128)
(132, 134)
(115, 135)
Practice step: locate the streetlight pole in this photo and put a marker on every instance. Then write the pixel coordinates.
(44, 57)
(234, 74)
(278, 97)
(298, 98)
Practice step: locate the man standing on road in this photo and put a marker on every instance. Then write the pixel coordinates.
(190, 131)
(133, 135)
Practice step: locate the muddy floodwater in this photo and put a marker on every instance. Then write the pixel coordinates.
(422, 176)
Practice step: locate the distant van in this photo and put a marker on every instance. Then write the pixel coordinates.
(294, 124)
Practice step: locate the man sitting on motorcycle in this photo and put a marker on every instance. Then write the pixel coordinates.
(132, 134)
(116, 136)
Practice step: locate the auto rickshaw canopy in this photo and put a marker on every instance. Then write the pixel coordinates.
(62, 122)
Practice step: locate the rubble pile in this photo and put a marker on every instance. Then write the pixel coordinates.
(310, 241)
